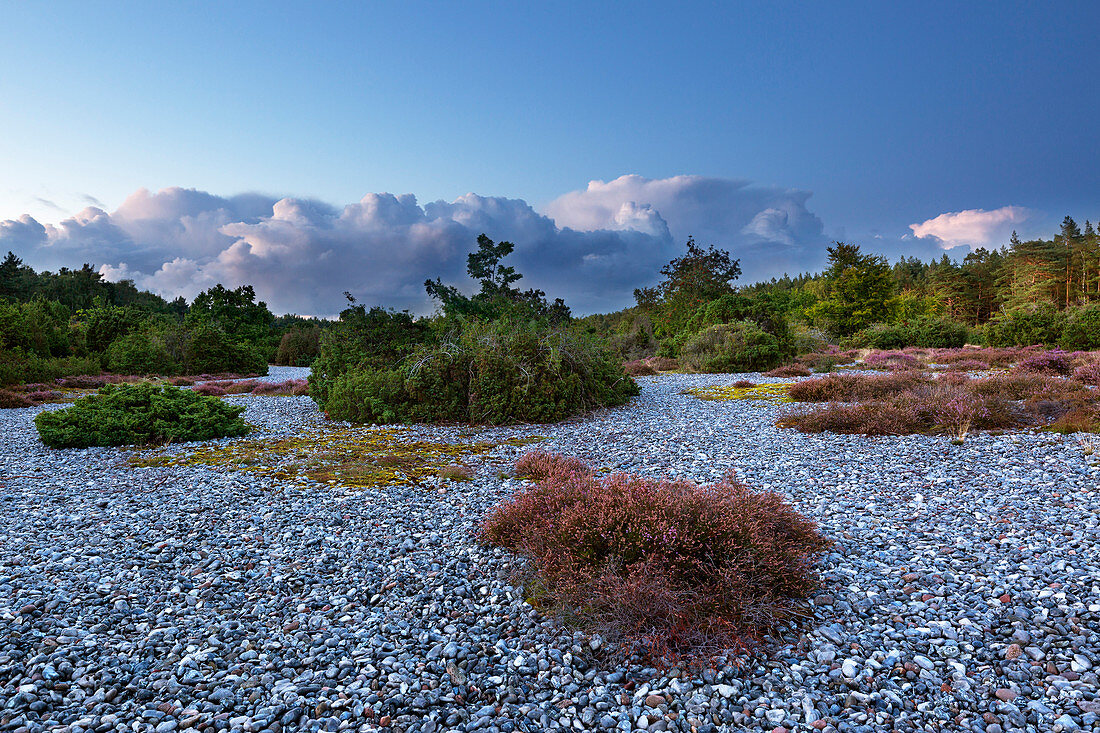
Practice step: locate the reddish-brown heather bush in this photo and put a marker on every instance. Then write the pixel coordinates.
(43, 395)
(789, 370)
(873, 418)
(1088, 373)
(663, 363)
(927, 408)
(181, 381)
(456, 472)
(967, 365)
(537, 465)
(210, 389)
(743, 384)
(287, 387)
(9, 399)
(638, 368)
(1081, 419)
(895, 361)
(84, 381)
(855, 387)
(664, 567)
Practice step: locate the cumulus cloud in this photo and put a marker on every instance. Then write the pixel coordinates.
(591, 247)
(768, 227)
(972, 227)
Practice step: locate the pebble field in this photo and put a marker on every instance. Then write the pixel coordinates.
(962, 592)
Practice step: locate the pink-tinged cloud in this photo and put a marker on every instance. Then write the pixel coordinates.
(972, 227)
(593, 248)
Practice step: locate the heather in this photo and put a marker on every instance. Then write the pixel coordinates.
(669, 567)
(952, 403)
(298, 387)
(138, 415)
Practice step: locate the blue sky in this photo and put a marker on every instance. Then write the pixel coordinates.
(888, 115)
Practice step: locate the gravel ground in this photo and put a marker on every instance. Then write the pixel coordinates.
(963, 592)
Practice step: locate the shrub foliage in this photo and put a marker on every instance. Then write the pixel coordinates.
(496, 373)
(671, 565)
(138, 415)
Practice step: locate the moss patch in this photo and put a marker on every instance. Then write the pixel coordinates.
(771, 392)
(354, 457)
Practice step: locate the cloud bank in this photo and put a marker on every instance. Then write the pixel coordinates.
(591, 246)
(972, 227)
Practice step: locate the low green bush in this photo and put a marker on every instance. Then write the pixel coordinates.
(1082, 329)
(363, 341)
(209, 350)
(923, 332)
(493, 373)
(741, 346)
(1025, 327)
(138, 415)
(140, 353)
(298, 346)
(17, 367)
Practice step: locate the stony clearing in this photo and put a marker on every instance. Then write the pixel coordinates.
(253, 585)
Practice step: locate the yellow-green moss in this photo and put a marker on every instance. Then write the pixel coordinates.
(772, 392)
(356, 457)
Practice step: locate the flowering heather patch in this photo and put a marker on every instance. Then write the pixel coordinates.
(181, 381)
(855, 387)
(669, 568)
(967, 365)
(1050, 362)
(220, 388)
(1003, 357)
(926, 408)
(297, 387)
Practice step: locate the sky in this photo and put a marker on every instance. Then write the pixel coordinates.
(311, 148)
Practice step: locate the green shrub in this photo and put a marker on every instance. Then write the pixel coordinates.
(923, 332)
(138, 415)
(17, 367)
(1082, 329)
(140, 353)
(1025, 327)
(496, 373)
(732, 347)
(298, 346)
(805, 340)
(209, 350)
(881, 336)
(362, 341)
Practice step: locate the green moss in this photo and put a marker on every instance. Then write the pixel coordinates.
(771, 392)
(355, 457)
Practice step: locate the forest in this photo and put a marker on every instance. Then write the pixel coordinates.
(1041, 291)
